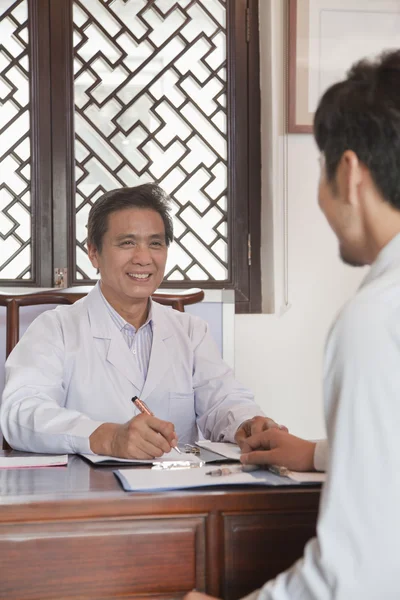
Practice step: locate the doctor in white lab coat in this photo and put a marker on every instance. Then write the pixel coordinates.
(71, 378)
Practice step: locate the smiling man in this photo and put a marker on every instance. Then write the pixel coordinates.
(71, 378)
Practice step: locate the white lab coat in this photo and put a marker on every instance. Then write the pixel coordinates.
(72, 371)
(356, 555)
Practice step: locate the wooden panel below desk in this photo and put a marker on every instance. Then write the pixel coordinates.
(103, 559)
(260, 546)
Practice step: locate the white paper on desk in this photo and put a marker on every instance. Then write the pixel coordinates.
(172, 456)
(24, 460)
(225, 449)
(307, 477)
(151, 480)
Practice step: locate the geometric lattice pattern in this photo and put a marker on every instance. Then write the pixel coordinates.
(150, 105)
(15, 200)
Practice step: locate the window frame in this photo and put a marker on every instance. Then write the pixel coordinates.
(52, 145)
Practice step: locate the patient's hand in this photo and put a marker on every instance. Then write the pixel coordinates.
(255, 426)
(278, 447)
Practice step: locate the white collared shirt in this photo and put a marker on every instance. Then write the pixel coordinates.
(139, 341)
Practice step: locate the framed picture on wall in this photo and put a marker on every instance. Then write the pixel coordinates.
(325, 38)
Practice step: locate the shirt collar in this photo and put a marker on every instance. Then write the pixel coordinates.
(388, 258)
(120, 321)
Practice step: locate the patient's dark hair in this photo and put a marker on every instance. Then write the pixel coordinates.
(146, 196)
(362, 113)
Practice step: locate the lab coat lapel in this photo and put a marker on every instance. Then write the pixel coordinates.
(120, 356)
(160, 357)
(117, 353)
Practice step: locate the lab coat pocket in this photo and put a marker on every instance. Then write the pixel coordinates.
(181, 402)
(182, 411)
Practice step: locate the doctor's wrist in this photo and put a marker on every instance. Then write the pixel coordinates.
(101, 440)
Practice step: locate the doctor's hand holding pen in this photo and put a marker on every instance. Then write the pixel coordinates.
(144, 437)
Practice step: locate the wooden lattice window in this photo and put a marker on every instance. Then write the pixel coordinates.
(134, 91)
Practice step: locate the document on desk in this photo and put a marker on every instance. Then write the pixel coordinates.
(232, 452)
(173, 456)
(155, 480)
(307, 477)
(152, 480)
(224, 449)
(11, 459)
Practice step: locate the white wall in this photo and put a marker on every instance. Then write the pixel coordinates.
(280, 357)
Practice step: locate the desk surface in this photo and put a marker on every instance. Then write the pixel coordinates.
(24, 490)
(93, 540)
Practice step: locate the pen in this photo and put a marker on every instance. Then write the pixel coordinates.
(142, 406)
(231, 470)
(277, 470)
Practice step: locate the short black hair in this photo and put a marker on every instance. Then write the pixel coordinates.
(146, 196)
(362, 114)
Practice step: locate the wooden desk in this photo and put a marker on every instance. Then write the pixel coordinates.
(72, 532)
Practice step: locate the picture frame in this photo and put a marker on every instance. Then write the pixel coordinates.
(325, 38)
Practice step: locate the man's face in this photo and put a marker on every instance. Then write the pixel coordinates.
(342, 215)
(133, 256)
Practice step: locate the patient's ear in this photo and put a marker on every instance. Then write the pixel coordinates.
(350, 173)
